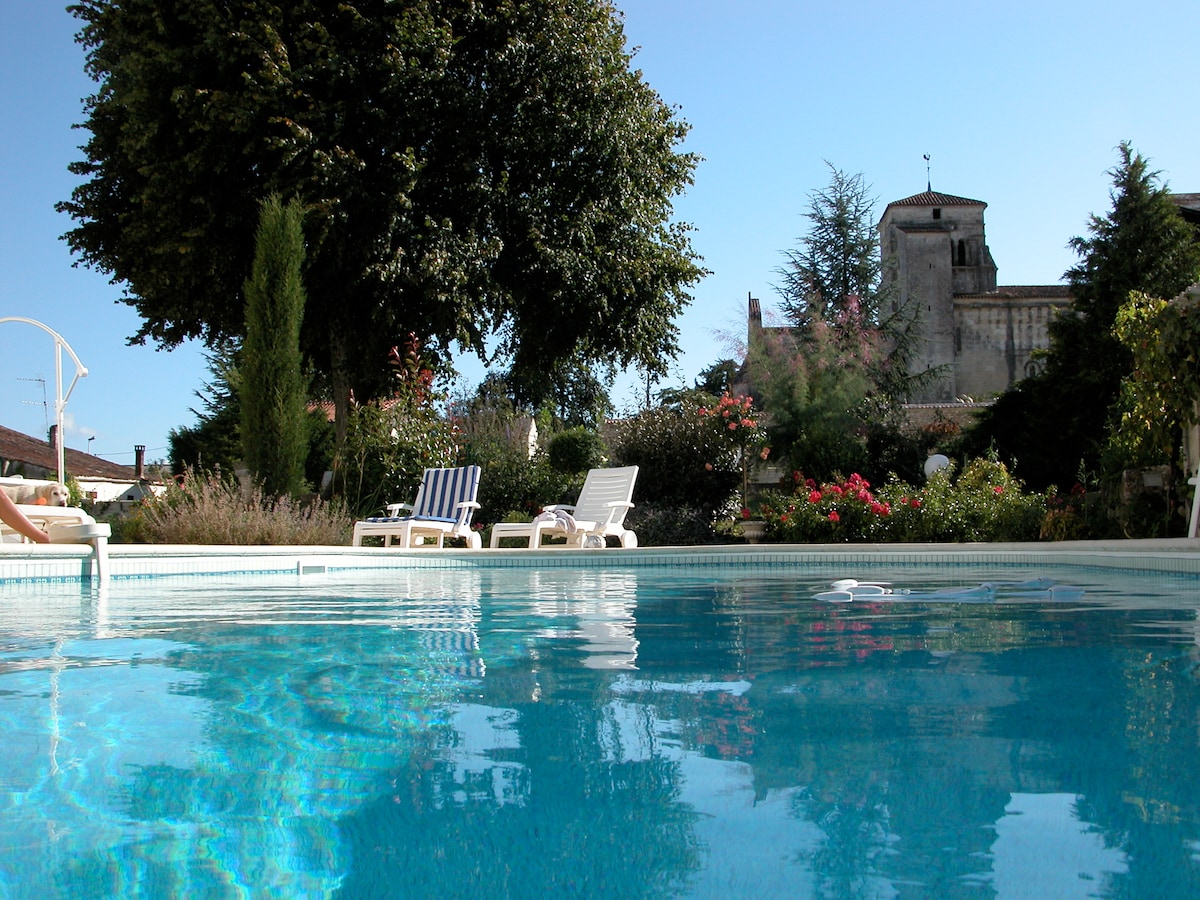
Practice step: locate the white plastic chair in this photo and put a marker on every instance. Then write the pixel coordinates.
(598, 514)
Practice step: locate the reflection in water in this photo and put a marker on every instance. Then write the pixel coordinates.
(1043, 833)
(599, 734)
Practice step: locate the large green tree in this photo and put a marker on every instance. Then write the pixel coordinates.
(470, 171)
(1054, 424)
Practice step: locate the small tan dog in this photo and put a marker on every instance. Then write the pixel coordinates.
(53, 494)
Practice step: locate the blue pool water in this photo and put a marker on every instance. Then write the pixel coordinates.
(642, 733)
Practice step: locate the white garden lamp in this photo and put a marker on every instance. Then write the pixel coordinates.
(60, 399)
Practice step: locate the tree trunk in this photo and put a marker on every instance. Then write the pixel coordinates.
(339, 375)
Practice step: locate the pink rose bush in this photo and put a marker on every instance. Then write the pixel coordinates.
(984, 503)
(826, 513)
(743, 435)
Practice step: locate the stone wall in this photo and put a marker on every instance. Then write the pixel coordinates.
(997, 337)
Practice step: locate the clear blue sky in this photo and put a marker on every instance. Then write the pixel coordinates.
(1019, 104)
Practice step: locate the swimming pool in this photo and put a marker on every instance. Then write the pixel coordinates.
(640, 732)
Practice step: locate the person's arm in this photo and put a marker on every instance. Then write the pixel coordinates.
(14, 518)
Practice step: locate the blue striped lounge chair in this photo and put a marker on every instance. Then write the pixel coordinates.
(444, 506)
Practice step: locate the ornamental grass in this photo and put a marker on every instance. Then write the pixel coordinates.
(206, 508)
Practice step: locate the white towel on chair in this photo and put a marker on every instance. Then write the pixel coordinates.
(560, 517)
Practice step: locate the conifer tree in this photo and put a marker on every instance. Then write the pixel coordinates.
(836, 269)
(1056, 423)
(274, 439)
(214, 442)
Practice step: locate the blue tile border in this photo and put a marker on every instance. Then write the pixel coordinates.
(22, 563)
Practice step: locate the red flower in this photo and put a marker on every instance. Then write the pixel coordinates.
(834, 517)
(814, 497)
(998, 489)
(745, 513)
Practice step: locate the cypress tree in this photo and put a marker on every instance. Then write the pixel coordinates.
(274, 441)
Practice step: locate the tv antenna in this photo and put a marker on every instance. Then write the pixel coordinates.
(45, 402)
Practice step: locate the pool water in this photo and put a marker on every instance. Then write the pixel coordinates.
(642, 733)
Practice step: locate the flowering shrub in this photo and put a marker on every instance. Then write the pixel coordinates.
(391, 442)
(985, 503)
(827, 513)
(734, 414)
(387, 449)
(1072, 517)
(741, 436)
(688, 456)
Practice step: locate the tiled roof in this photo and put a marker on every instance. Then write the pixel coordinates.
(933, 198)
(1189, 206)
(21, 449)
(326, 407)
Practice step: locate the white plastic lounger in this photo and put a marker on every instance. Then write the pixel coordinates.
(67, 525)
(606, 496)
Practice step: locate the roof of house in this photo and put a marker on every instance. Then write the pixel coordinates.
(933, 198)
(19, 448)
(326, 407)
(1189, 206)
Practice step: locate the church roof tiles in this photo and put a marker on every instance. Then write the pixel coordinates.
(933, 198)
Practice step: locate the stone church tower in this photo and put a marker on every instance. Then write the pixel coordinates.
(979, 336)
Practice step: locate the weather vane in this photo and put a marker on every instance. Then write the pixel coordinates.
(928, 183)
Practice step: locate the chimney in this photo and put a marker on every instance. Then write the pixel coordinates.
(139, 462)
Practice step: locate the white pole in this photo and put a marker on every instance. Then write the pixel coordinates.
(60, 400)
(59, 403)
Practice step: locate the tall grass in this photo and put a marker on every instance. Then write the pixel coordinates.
(208, 509)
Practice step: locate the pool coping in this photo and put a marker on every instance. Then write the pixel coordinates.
(73, 563)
